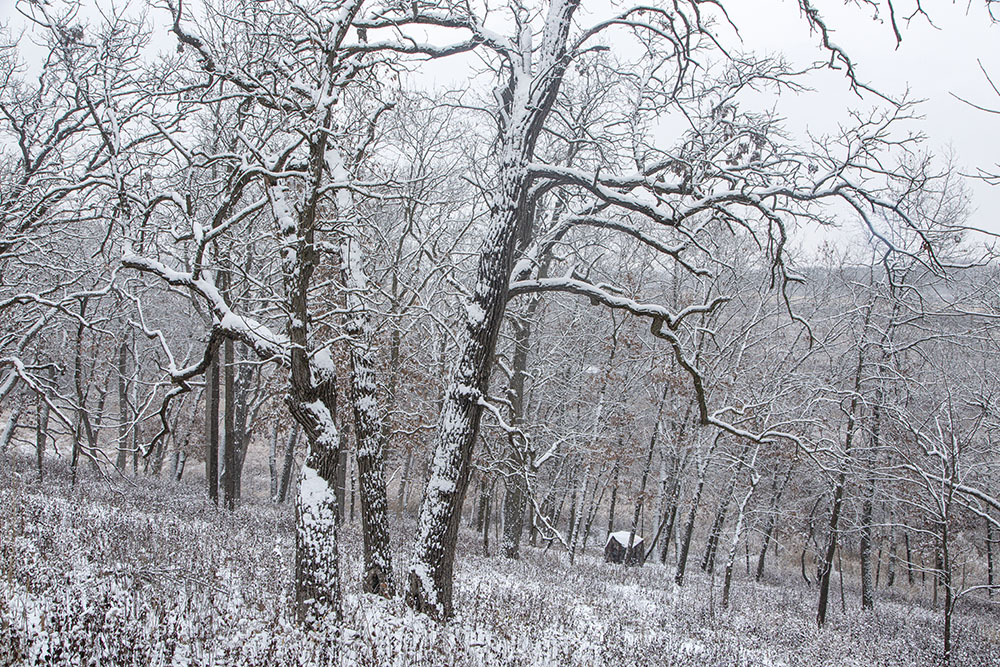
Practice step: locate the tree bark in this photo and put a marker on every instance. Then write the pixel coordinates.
(614, 496)
(8, 431)
(868, 586)
(826, 565)
(229, 444)
(989, 557)
(737, 533)
(909, 558)
(520, 458)
(405, 480)
(576, 522)
(644, 478)
(179, 468)
(289, 461)
(121, 460)
(41, 434)
(369, 431)
(272, 462)
(212, 428)
(771, 520)
(430, 576)
(685, 547)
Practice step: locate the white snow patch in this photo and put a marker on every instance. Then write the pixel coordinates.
(621, 537)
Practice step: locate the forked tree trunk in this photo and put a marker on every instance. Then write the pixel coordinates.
(738, 532)
(430, 576)
(708, 561)
(595, 502)
(668, 533)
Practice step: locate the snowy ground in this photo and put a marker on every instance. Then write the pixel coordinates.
(155, 575)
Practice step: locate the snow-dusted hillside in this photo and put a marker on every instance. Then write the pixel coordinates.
(156, 575)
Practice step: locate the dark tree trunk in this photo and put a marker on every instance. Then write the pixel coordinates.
(771, 520)
(430, 578)
(179, 467)
(229, 444)
(909, 558)
(868, 585)
(708, 561)
(247, 378)
(685, 546)
(404, 482)
(212, 428)
(487, 513)
(272, 462)
(949, 597)
(340, 488)
(8, 431)
(520, 457)
(826, 565)
(614, 497)
(369, 430)
(123, 420)
(644, 478)
(41, 433)
(990, 541)
(286, 467)
(576, 517)
(81, 395)
(711, 547)
(737, 531)
(668, 535)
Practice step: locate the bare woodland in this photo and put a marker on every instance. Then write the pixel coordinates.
(367, 370)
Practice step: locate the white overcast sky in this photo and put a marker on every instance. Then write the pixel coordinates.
(935, 62)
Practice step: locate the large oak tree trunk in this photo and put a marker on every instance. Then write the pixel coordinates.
(530, 91)
(430, 577)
